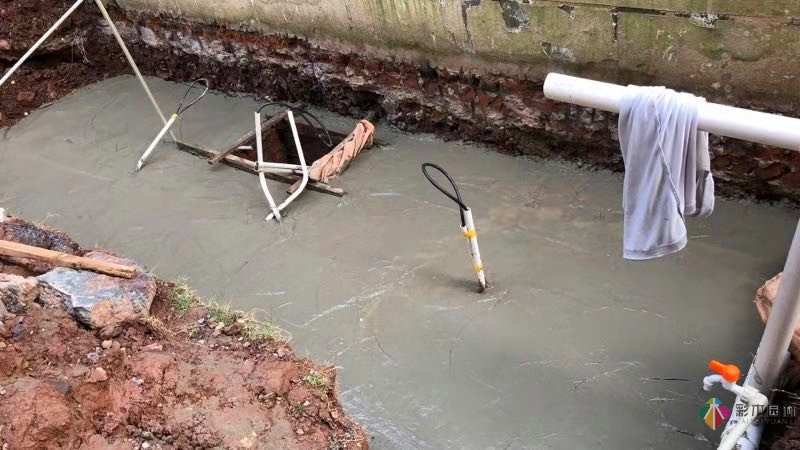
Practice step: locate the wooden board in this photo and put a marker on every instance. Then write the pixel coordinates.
(16, 250)
(250, 166)
(265, 126)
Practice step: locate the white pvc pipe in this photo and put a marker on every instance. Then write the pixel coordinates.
(278, 170)
(752, 436)
(132, 63)
(261, 177)
(41, 40)
(770, 357)
(739, 123)
(472, 236)
(155, 142)
(741, 432)
(763, 128)
(736, 434)
(304, 181)
(279, 165)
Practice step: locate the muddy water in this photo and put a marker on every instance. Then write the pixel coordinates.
(567, 350)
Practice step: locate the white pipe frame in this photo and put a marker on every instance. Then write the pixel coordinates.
(763, 128)
(304, 181)
(116, 34)
(261, 177)
(263, 167)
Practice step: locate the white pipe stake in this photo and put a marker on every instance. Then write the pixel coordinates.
(304, 182)
(472, 237)
(132, 63)
(155, 142)
(763, 128)
(41, 40)
(261, 178)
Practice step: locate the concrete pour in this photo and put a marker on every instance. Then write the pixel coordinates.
(572, 347)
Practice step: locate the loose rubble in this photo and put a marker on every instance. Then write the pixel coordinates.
(99, 301)
(16, 292)
(135, 368)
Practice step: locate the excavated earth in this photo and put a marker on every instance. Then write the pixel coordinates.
(61, 64)
(180, 379)
(24, 21)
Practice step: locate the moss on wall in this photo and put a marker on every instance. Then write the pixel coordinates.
(579, 35)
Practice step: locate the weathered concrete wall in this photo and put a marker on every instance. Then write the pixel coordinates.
(474, 69)
(732, 48)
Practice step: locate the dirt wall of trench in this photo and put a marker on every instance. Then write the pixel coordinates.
(509, 113)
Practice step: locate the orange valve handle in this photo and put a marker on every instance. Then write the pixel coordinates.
(729, 372)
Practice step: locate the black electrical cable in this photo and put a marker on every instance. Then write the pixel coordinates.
(307, 116)
(456, 198)
(181, 108)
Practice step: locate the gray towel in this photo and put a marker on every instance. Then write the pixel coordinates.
(667, 170)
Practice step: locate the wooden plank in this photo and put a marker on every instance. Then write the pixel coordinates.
(250, 166)
(311, 186)
(265, 126)
(294, 187)
(16, 250)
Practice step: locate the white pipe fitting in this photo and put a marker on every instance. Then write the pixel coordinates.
(753, 401)
(303, 166)
(261, 178)
(711, 380)
(262, 167)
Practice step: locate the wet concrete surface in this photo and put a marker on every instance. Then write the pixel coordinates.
(570, 348)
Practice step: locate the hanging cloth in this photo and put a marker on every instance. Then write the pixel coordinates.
(667, 170)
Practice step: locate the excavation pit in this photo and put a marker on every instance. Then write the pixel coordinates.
(572, 347)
